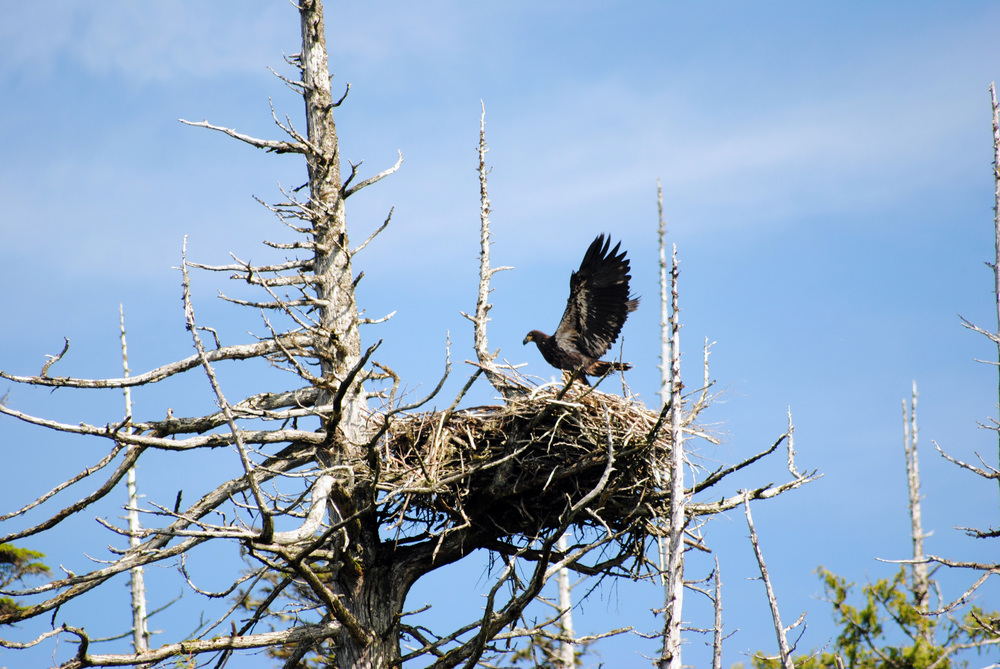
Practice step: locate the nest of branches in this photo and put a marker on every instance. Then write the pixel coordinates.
(532, 464)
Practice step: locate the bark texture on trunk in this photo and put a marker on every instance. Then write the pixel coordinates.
(338, 341)
(365, 586)
(376, 599)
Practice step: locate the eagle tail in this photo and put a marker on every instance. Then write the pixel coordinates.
(602, 367)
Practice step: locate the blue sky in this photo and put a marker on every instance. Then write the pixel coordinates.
(826, 177)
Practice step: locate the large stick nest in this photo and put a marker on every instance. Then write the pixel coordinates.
(516, 469)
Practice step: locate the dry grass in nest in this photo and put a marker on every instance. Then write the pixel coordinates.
(517, 468)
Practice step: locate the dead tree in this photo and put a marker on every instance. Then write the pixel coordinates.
(680, 527)
(987, 626)
(137, 587)
(986, 471)
(920, 583)
(341, 496)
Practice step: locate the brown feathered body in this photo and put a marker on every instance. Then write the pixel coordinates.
(598, 304)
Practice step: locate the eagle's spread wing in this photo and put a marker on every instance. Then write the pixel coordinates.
(598, 301)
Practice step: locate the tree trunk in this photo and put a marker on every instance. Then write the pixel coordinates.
(369, 593)
(376, 600)
(338, 342)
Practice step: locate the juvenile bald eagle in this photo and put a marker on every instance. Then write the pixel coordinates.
(598, 305)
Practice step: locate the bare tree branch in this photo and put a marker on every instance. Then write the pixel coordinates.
(375, 179)
(783, 648)
(266, 144)
(294, 635)
(717, 627)
(52, 359)
(239, 352)
(373, 235)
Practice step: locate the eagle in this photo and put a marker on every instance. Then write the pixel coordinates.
(596, 310)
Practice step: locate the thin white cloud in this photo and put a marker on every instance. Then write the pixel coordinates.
(144, 41)
(876, 141)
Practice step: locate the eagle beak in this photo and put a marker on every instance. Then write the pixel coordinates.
(527, 338)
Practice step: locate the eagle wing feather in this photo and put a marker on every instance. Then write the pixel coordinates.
(598, 303)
